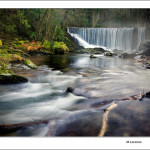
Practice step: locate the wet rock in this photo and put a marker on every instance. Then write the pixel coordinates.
(100, 49)
(109, 54)
(147, 66)
(78, 92)
(12, 79)
(147, 94)
(9, 77)
(117, 51)
(130, 118)
(144, 48)
(92, 56)
(127, 55)
(30, 64)
(91, 51)
(84, 123)
(70, 89)
(11, 128)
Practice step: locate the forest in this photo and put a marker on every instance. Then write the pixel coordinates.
(74, 72)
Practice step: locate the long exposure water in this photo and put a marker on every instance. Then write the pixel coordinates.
(44, 97)
(126, 39)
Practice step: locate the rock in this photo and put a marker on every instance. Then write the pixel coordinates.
(117, 51)
(127, 55)
(9, 77)
(99, 50)
(91, 51)
(147, 66)
(70, 89)
(30, 64)
(82, 123)
(12, 79)
(78, 92)
(109, 54)
(130, 118)
(92, 56)
(144, 48)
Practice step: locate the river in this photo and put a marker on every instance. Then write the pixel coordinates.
(97, 81)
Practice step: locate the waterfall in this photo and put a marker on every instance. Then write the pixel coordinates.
(126, 39)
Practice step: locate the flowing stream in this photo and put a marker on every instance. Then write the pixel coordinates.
(44, 97)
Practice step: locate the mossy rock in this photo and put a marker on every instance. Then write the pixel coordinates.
(30, 64)
(12, 79)
(109, 54)
(9, 77)
(92, 56)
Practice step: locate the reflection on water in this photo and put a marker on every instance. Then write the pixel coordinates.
(44, 97)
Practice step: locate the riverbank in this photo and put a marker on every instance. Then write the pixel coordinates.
(15, 51)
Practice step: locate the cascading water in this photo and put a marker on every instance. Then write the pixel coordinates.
(126, 39)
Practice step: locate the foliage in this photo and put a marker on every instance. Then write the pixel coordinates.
(10, 58)
(1, 43)
(46, 44)
(60, 48)
(32, 46)
(58, 34)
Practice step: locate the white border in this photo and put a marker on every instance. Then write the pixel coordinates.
(74, 143)
(74, 4)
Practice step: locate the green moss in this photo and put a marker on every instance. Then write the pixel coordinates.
(30, 64)
(5, 71)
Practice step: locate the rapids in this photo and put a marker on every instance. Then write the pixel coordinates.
(44, 96)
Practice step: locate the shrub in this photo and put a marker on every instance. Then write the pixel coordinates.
(60, 48)
(1, 43)
(32, 46)
(46, 44)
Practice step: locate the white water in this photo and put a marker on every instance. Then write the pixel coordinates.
(126, 39)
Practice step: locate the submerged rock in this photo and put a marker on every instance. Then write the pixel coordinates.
(30, 64)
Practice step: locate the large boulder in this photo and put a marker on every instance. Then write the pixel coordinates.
(9, 77)
(144, 48)
(12, 79)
